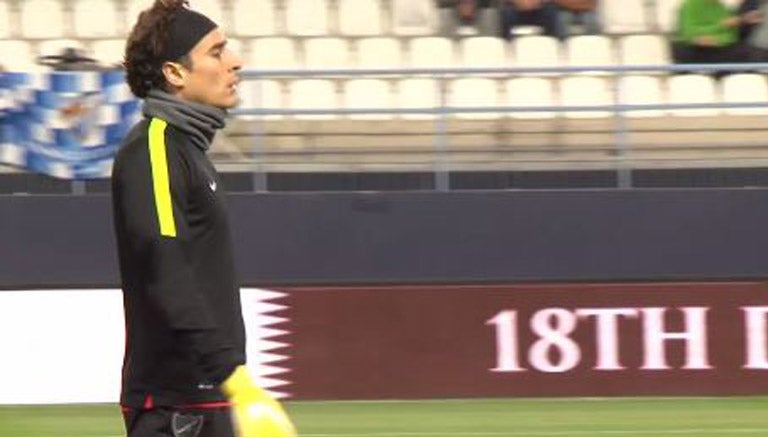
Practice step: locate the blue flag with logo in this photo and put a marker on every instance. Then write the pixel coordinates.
(65, 124)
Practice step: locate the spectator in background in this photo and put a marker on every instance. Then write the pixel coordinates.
(708, 33)
(581, 13)
(745, 30)
(541, 13)
(757, 38)
(70, 59)
(466, 16)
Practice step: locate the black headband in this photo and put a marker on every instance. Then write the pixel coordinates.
(186, 29)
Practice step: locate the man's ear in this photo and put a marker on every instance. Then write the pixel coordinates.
(174, 73)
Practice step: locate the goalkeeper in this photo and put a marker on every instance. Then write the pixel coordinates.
(184, 369)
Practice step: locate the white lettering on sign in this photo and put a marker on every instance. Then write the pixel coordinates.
(756, 343)
(694, 336)
(507, 356)
(555, 351)
(553, 326)
(607, 334)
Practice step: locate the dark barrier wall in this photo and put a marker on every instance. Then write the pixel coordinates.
(422, 237)
(427, 237)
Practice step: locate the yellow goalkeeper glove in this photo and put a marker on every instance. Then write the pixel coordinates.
(255, 412)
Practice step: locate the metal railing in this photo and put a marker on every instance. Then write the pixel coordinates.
(619, 109)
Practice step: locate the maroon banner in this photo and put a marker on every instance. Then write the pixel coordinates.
(527, 340)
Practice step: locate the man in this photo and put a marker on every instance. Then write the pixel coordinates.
(746, 7)
(183, 372)
(757, 36)
(707, 33)
(582, 12)
(542, 13)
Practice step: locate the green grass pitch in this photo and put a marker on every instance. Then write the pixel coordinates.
(567, 417)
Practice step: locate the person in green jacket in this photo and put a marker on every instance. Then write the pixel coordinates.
(708, 33)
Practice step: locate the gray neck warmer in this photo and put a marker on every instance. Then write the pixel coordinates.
(197, 120)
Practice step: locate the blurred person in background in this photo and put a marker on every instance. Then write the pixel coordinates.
(468, 17)
(708, 33)
(757, 38)
(745, 30)
(466, 11)
(578, 14)
(184, 371)
(540, 13)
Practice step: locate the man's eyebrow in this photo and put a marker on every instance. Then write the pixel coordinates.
(218, 46)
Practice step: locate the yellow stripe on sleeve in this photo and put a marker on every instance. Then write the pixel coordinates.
(160, 181)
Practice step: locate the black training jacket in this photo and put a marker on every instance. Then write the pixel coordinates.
(184, 328)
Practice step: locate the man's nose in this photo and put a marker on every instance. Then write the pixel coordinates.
(237, 62)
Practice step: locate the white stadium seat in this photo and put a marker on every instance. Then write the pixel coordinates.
(484, 51)
(666, 15)
(360, 17)
(109, 51)
(95, 18)
(379, 52)
(537, 51)
(254, 18)
(644, 50)
(590, 50)
(692, 88)
(530, 92)
(326, 53)
(623, 16)
(261, 94)
(132, 10)
(17, 55)
(313, 94)
(431, 52)
(416, 93)
(42, 19)
(474, 92)
(642, 90)
(368, 93)
(306, 17)
(745, 88)
(212, 9)
(585, 91)
(5, 20)
(414, 17)
(273, 52)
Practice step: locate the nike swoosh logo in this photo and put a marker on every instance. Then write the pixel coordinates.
(185, 428)
(212, 185)
(180, 431)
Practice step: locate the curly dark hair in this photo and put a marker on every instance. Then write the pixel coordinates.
(146, 43)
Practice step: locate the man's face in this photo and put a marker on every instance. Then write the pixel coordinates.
(213, 78)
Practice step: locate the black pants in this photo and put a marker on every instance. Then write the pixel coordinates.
(178, 422)
(758, 55)
(690, 54)
(546, 17)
